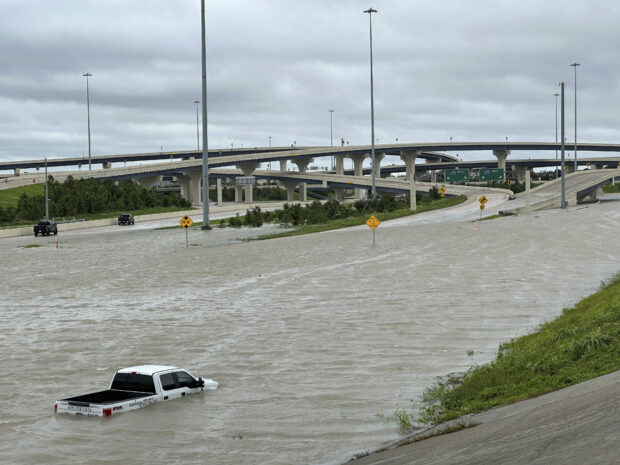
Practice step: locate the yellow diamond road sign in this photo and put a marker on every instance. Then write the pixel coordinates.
(483, 200)
(186, 222)
(373, 222)
(442, 190)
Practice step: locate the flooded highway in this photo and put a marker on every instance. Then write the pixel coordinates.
(315, 340)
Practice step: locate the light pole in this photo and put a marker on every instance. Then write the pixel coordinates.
(197, 131)
(206, 225)
(370, 11)
(331, 134)
(269, 141)
(87, 75)
(574, 65)
(556, 134)
(563, 198)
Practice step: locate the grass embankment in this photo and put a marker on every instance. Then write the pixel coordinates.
(609, 189)
(358, 220)
(580, 345)
(10, 197)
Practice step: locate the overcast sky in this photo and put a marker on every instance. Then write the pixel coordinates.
(473, 70)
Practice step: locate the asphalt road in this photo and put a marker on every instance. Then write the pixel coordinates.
(577, 425)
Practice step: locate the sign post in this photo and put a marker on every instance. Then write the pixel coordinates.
(482, 201)
(372, 223)
(442, 192)
(186, 222)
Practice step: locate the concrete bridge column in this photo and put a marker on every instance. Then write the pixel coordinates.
(378, 158)
(147, 181)
(433, 173)
(340, 166)
(283, 165)
(358, 160)
(290, 190)
(302, 165)
(339, 190)
(107, 165)
(409, 157)
(218, 184)
(195, 187)
(16, 172)
(238, 194)
(248, 169)
(184, 184)
(501, 158)
(520, 170)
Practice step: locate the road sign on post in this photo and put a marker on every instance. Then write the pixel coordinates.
(491, 174)
(186, 222)
(245, 180)
(442, 191)
(372, 223)
(482, 201)
(456, 175)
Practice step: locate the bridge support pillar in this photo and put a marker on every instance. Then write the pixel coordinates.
(501, 158)
(302, 165)
(521, 172)
(218, 184)
(16, 172)
(339, 191)
(340, 166)
(290, 190)
(283, 165)
(378, 158)
(107, 165)
(248, 169)
(147, 181)
(409, 157)
(433, 173)
(238, 194)
(358, 160)
(195, 187)
(184, 185)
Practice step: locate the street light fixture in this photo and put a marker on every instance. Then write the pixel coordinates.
(556, 134)
(197, 131)
(370, 11)
(574, 65)
(87, 75)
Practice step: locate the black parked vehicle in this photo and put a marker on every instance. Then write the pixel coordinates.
(45, 228)
(126, 218)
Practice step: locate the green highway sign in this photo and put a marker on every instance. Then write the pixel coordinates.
(456, 175)
(491, 174)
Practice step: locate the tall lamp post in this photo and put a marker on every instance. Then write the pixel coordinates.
(331, 134)
(574, 65)
(370, 11)
(556, 95)
(206, 225)
(197, 131)
(563, 188)
(87, 75)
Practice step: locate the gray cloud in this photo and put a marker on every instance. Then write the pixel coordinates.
(481, 70)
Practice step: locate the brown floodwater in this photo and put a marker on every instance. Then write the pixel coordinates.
(315, 340)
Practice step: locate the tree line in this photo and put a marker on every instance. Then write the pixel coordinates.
(78, 197)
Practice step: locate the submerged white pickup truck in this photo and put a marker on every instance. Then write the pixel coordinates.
(133, 388)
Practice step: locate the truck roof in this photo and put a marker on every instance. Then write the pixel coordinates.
(149, 370)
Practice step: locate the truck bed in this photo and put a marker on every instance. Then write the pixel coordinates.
(106, 397)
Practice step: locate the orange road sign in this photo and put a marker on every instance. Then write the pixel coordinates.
(186, 222)
(373, 222)
(483, 200)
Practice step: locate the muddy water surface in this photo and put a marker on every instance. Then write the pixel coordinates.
(315, 340)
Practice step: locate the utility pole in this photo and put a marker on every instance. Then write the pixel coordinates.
(556, 95)
(574, 65)
(197, 130)
(370, 11)
(206, 224)
(87, 75)
(563, 169)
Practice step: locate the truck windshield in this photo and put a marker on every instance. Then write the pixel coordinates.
(133, 382)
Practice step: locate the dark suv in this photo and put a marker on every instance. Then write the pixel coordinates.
(126, 218)
(45, 228)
